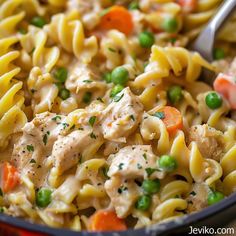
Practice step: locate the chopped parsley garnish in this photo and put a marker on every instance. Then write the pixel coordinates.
(92, 120)
(1, 192)
(45, 138)
(160, 115)
(104, 171)
(111, 49)
(139, 166)
(132, 117)
(65, 125)
(150, 171)
(120, 166)
(55, 118)
(145, 156)
(118, 98)
(121, 189)
(80, 128)
(92, 135)
(193, 193)
(80, 159)
(100, 99)
(87, 81)
(30, 148)
(1, 209)
(32, 161)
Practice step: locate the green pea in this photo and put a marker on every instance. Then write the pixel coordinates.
(64, 94)
(38, 21)
(167, 163)
(174, 94)
(61, 74)
(133, 6)
(218, 53)
(170, 25)
(43, 197)
(214, 197)
(146, 39)
(87, 97)
(213, 100)
(120, 75)
(107, 77)
(116, 89)
(143, 202)
(151, 186)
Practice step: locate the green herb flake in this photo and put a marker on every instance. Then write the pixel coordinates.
(87, 81)
(132, 117)
(145, 156)
(32, 161)
(121, 189)
(92, 135)
(55, 118)
(120, 166)
(45, 138)
(159, 114)
(100, 99)
(193, 193)
(1, 209)
(65, 125)
(104, 172)
(30, 148)
(118, 98)
(92, 120)
(150, 171)
(112, 50)
(139, 166)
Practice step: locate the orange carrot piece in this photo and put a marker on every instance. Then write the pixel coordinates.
(226, 86)
(10, 177)
(118, 18)
(188, 5)
(172, 119)
(104, 220)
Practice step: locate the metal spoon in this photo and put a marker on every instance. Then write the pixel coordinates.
(204, 44)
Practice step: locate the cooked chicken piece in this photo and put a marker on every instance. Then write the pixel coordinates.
(197, 199)
(123, 195)
(68, 150)
(208, 139)
(122, 116)
(133, 162)
(84, 78)
(130, 163)
(35, 144)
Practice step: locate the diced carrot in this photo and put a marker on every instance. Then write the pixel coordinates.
(117, 17)
(188, 5)
(172, 119)
(10, 177)
(226, 86)
(105, 220)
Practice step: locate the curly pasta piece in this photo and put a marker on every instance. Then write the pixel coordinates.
(12, 118)
(69, 33)
(201, 169)
(13, 12)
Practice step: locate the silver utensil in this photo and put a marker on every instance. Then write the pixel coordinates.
(204, 44)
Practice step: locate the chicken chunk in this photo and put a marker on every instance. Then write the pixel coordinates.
(35, 144)
(197, 199)
(131, 163)
(68, 150)
(208, 139)
(122, 116)
(84, 78)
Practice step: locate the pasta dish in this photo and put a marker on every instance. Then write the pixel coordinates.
(105, 123)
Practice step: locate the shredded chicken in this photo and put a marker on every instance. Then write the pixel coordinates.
(122, 116)
(208, 139)
(130, 163)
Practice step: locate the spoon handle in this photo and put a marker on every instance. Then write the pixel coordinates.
(205, 42)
